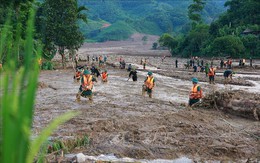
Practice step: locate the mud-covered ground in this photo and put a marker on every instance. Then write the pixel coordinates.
(122, 122)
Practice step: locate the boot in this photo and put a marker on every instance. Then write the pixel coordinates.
(150, 95)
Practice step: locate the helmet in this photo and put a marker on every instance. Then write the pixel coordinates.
(150, 73)
(86, 72)
(195, 80)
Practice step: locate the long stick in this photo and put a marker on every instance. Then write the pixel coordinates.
(73, 65)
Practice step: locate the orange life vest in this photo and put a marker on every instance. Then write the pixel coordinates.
(211, 72)
(195, 94)
(104, 75)
(87, 82)
(77, 75)
(149, 82)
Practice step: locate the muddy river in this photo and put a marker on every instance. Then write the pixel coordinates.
(122, 123)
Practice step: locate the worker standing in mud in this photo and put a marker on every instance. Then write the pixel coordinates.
(195, 93)
(104, 76)
(77, 75)
(228, 76)
(212, 75)
(176, 63)
(221, 63)
(144, 64)
(251, 62)
(85, 89)
(133, 73)
(148, 85)
(207, 69)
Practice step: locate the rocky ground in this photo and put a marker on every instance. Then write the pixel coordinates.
(122, 122)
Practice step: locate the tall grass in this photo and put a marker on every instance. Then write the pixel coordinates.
(18, 85)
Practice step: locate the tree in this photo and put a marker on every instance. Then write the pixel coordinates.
(168, 41)
(194, 11)
(228, 45)
(251, 42)
(196, 40)
(81, 16)
(61, 28)
(144, 39)
(155, 45)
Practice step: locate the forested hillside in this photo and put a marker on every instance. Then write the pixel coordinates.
(236, 33)
(107, 17)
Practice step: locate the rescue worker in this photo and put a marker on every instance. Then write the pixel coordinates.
(104, 76)
(195, 93)
(77, 75)
(211, 75)
(95, 71)
(133, 73)
(148, 85)
(144, 64)
(243, 62)
(122, 64)
(85, 89)
(229, 63)
(228, 76)
(251, 62)
(221, 63)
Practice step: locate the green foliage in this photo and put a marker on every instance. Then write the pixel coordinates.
(18, 84)
(47, 65)
(155, 45)
(228, 46)
(252, 45)
(151, 17)
(61, 28)
(68, 144)
(168, 41)
(224, 36)
(117, 31)
(195, 9)
(196, 39)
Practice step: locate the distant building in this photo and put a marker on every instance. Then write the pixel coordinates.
(249, 31)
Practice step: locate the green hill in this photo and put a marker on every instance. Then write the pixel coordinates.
(144, 16)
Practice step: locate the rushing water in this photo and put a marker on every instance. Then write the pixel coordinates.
(113, 158)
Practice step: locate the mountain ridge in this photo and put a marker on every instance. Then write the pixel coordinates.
(150, 17)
